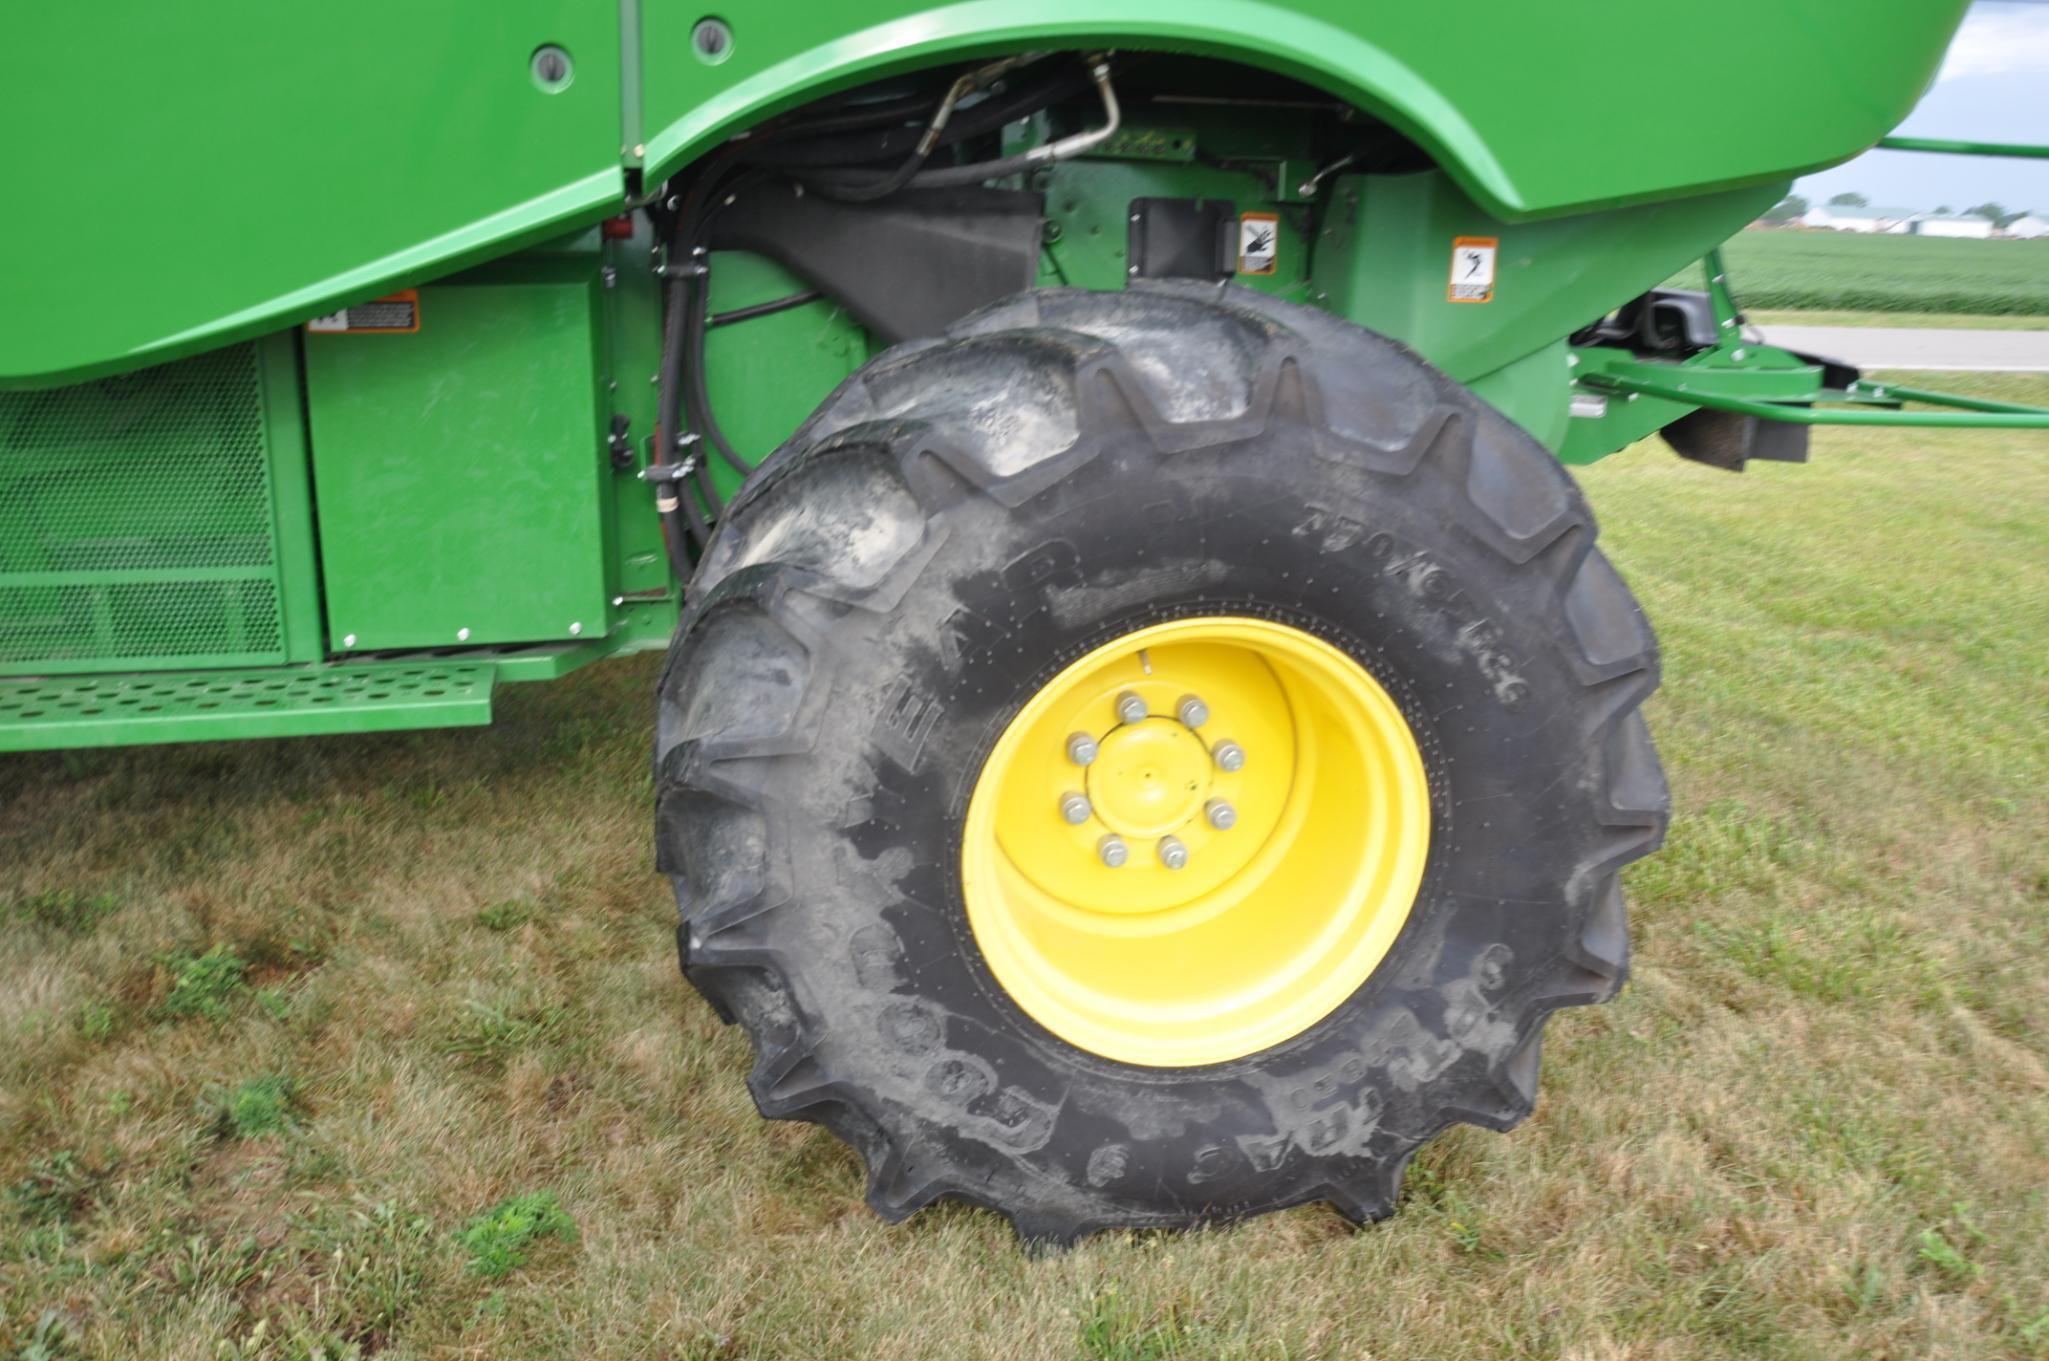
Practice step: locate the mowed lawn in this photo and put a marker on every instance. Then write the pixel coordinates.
(376, 1047)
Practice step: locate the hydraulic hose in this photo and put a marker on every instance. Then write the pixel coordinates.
(846, 185)
(795, 149)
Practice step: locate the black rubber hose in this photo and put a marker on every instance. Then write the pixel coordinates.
(697, 395)
(974, 121)
(667, 416)
(766, 309)
(860, 117)
(850, 189)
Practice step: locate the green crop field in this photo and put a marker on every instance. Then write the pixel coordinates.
(375, 1046)
(1843, 271)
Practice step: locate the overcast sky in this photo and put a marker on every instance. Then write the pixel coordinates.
(1994, 87)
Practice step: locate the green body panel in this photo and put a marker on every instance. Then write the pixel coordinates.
(1385, 263)
(459, 469)
(272, 162)
(184, 175)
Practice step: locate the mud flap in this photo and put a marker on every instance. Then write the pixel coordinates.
(1725, 439)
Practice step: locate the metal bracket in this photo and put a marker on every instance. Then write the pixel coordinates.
(1867, 403)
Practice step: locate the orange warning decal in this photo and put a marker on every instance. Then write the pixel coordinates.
(395, 314)
(1259, 243)
(1472, 268)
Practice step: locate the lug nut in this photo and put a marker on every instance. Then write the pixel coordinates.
(1130, 708)
(1112, 851)
(1173, 854)
(1229, 756)
(1221, 814)
(1081, 748)
(1074, 806)
(1192, 711)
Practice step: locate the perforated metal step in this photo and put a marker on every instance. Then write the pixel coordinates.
(205, 706)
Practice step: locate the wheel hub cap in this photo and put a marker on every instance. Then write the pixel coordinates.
(1149, 778)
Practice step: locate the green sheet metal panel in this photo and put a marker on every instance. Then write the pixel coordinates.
(290, 158)
(158, 519)
(180, 175)
(459, 470)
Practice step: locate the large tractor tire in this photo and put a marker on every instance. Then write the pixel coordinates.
(1151, 758)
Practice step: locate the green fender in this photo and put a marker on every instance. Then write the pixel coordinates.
(180, 176)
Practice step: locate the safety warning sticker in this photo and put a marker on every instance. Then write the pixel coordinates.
(1472, 268)
(1259, 239)
(395, 314)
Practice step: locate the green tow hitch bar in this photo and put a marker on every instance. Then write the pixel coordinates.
(1738, 390)
(1620, 395)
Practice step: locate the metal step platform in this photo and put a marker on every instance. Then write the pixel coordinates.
(55, 712)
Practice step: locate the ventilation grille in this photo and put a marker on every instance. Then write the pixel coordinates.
(136, 525)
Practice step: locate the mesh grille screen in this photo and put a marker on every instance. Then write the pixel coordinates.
(135, 518)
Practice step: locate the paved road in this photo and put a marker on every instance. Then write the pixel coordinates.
(1877, 347)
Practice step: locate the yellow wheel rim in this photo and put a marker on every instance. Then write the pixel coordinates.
(1273, 839)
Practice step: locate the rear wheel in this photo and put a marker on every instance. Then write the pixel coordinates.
(1153, 758)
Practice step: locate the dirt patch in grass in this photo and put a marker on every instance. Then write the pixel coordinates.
(1815, 1126)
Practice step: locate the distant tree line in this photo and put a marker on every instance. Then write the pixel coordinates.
(1793, 207)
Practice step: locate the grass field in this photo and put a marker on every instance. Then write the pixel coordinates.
(354, 1047)
(1935, 321)
(1842, 271)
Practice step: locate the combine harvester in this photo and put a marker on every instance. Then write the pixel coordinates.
(1148, 737)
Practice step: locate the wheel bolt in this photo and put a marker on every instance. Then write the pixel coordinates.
(1173, 854)
(1074, 806)
(1081, 748)
(1130, 707)
(1229, 756)
(1192, 711)
(1221, 814)
(1112, 851)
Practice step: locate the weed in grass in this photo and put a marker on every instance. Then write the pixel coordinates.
(2029, 1327)
(203, 1263)
(499, 1240)
(1865, 1290)
(1112, 1330)
(505, 916)
(204, 985)
(373, 1261)
(46, 1341)
(62, 909)
(97, 1021)
(57, 1188)
(258, 1106)
(1935, 1248)
(490, 1036)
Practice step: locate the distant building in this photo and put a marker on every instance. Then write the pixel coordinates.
(1844, 218)
(1931, 224)
(2027, 228)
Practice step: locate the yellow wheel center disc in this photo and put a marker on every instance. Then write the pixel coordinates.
(1149, 778)
(1196, 841)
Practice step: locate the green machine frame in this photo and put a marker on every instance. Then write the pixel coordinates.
(264, 532)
